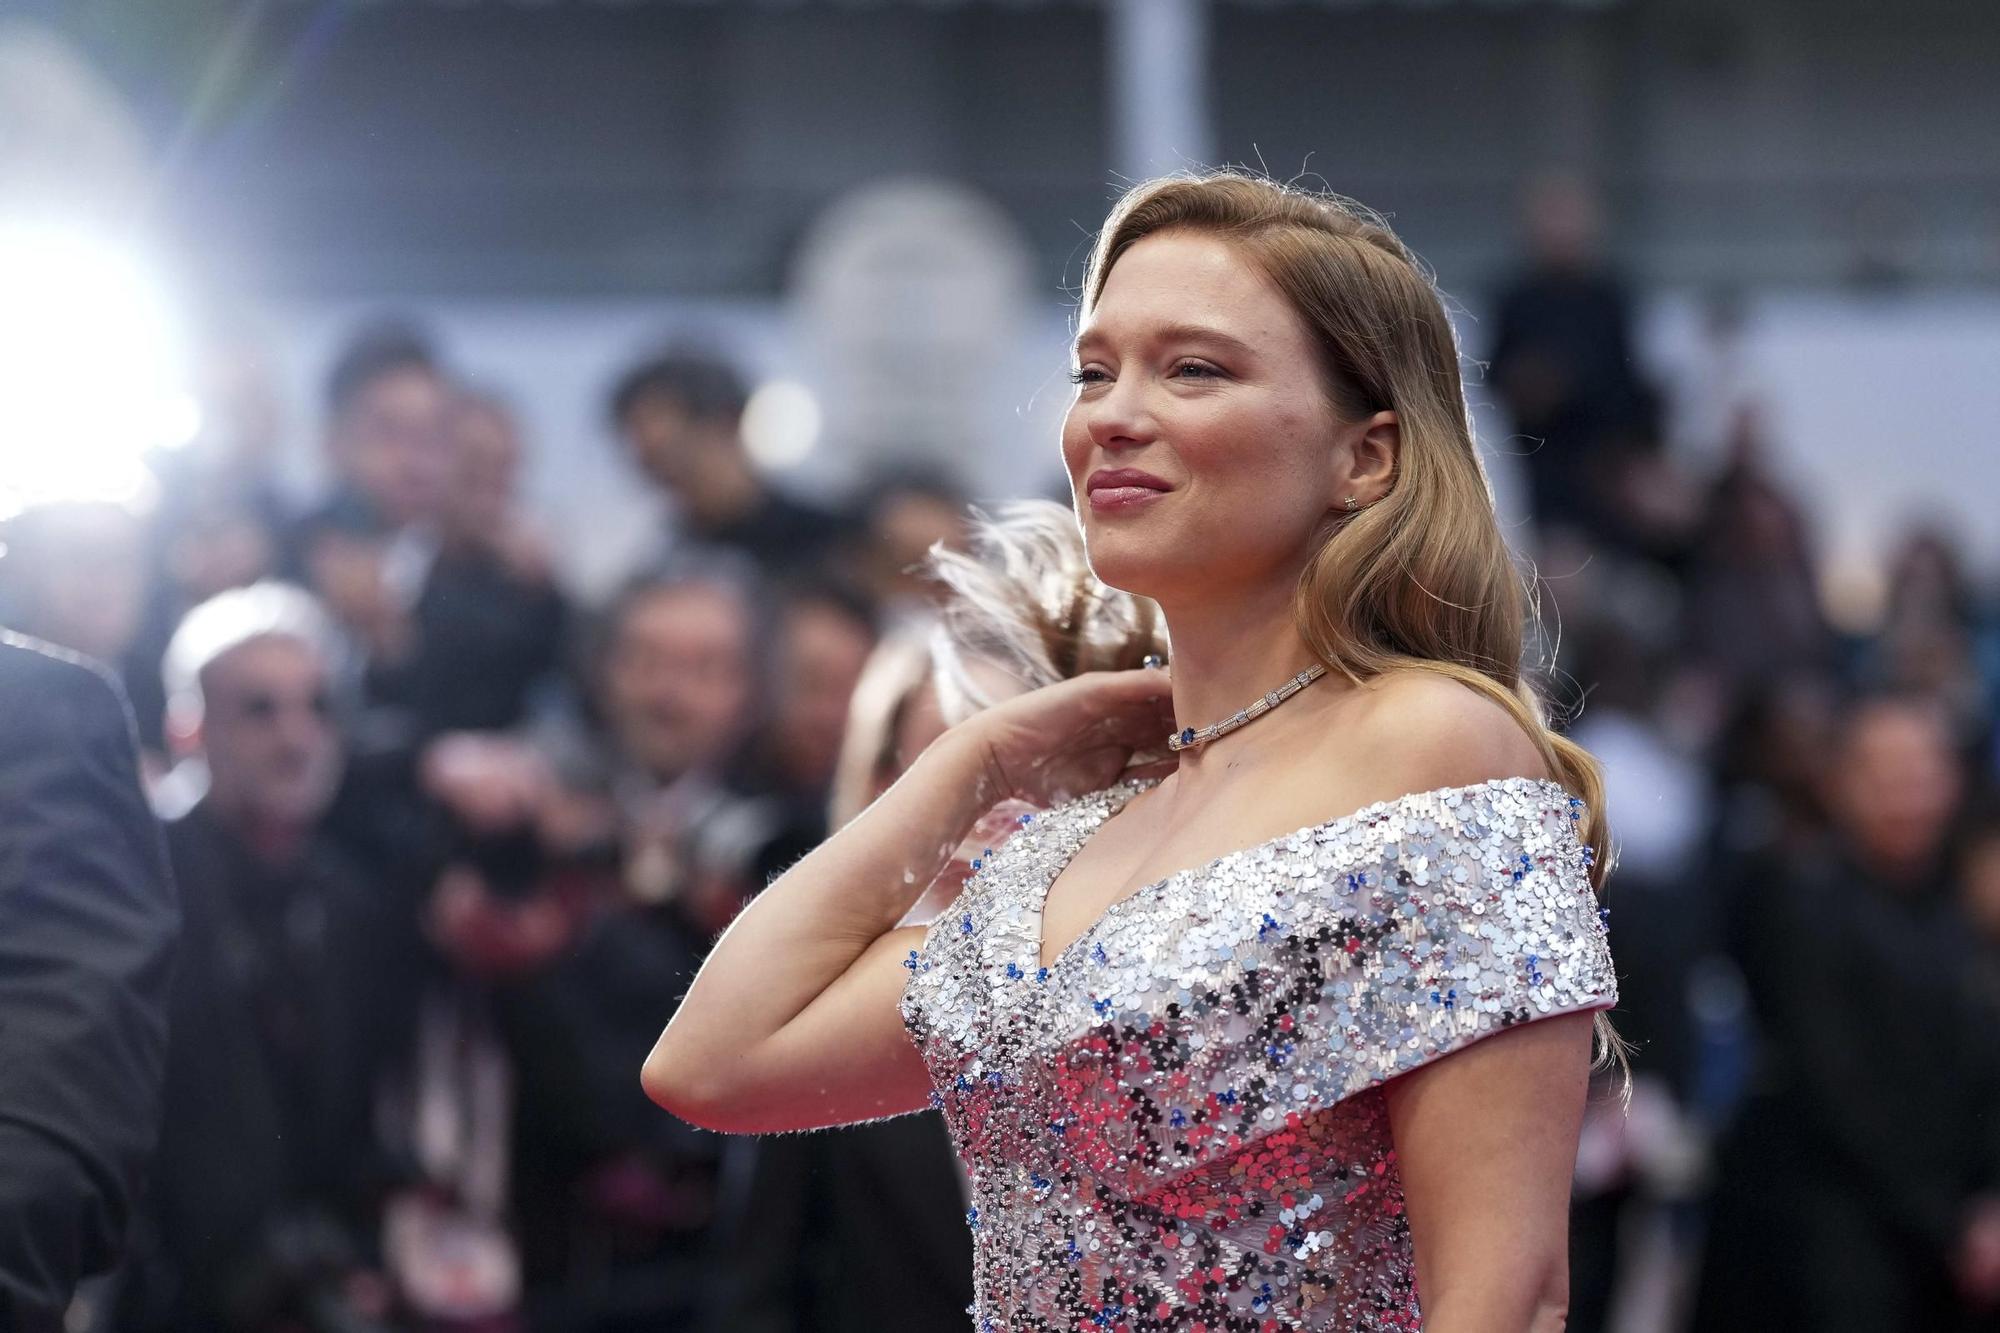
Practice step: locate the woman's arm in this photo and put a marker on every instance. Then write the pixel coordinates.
(1486, 1136)
(794, 1021)
(1486, 1139)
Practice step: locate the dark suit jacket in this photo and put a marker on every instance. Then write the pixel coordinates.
(1870, 1123)
(87, 928)
(291, 986)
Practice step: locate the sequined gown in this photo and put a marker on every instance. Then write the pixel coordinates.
(1178, 1124)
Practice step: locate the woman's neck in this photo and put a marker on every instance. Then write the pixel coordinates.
(1228, 653)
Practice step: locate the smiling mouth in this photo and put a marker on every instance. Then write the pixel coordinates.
(1121, 478)
(1123, 497)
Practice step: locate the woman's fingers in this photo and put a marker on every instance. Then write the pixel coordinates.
(1136, 683)
(1140, 713)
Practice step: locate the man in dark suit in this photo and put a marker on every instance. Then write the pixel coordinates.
(285, 1005)
(87, 929)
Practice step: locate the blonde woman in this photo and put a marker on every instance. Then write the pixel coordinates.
(1301, 1031)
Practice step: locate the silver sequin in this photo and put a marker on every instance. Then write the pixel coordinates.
(1178, 1124)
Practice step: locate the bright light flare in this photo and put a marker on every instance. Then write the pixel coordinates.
(780, 424)
(92, 370)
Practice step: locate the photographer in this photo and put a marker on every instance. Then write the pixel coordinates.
(590, 878)
(291, 974)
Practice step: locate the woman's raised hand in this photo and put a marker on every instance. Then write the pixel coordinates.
(1076, 736)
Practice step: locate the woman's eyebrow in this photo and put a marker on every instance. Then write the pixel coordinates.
(1175, 333)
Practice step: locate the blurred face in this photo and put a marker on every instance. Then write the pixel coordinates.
(678, 682)
(486, 462)
(904, 529)
(1562, 222)
(1896, 783)
(821, 659)
(268, 733)
(672, 446)
(1203, 452)
(392, 443)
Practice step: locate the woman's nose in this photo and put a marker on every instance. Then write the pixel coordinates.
(1120, 416)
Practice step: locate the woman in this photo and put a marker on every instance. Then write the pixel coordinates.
(1188, 1032)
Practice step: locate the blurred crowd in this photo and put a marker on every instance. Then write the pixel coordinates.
(450, 846)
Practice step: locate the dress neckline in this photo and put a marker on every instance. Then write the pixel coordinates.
(1121, 793)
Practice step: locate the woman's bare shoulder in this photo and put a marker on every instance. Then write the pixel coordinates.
(1431, 731)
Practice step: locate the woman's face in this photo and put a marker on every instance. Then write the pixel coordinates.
(1203, 453)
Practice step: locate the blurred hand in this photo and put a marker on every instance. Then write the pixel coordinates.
(569, 821)
(1076, 736)
(491, 784)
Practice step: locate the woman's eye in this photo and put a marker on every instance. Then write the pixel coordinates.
(1195, 370)
(1087, 375)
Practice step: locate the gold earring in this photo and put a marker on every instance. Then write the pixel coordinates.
(1352, 503)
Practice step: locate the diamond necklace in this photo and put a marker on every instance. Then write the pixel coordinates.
(1189, 737)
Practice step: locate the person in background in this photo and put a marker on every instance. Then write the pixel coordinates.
(368, 548)
(1938, 634)
(681, 415)
(488, 625)
(1751, 608)
(421, 555)
(286, 1001)
(1562, 359)
(1856, 1189)
(678, 688)
(912, 508)
(88, 924)
(1767, 767)
(625, 861)
(822, 637)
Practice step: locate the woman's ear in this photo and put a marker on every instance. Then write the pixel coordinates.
(1374, 447)
(1376, 454)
